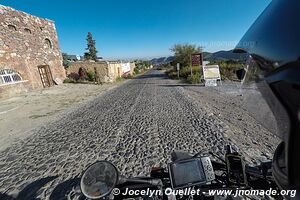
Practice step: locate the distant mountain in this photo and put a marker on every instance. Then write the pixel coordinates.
(225, 55)
(162, 60)
(217, 56)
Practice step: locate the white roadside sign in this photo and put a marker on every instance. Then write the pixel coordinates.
(211, 73)
(211, 82)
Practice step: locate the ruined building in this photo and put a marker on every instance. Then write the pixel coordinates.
(30, 56)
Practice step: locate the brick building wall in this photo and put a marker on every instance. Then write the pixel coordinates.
(27, 42)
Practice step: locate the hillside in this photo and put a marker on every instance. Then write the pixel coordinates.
(224, 55)
(217, 56)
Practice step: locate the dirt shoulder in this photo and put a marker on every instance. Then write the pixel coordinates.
(22, 113)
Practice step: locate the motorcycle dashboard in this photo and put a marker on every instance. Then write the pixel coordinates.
(190, 172)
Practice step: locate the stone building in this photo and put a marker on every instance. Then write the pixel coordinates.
(109, 70)
(30, 55)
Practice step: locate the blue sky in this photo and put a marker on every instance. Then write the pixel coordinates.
(145, 28)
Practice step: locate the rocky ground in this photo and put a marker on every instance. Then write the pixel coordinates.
(136, 125)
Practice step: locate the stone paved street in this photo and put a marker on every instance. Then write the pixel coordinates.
(136, 125)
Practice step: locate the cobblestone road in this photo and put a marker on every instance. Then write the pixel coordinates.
(136, 126)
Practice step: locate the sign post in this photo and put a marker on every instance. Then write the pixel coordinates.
(196, 61)
(178, 69)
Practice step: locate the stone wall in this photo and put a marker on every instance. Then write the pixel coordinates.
(110, 70)
(27, 42)
(102, 68)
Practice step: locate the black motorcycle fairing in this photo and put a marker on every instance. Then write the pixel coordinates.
(289, 94)
(274, 36)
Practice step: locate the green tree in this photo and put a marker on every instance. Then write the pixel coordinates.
(141, 66)
(91, 47)
(182, 53)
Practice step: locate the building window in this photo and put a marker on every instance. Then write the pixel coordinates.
(48, 43)
(9, 76)
(27, 30)
(12, 27)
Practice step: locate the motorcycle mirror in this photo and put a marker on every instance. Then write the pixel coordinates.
(99, 179)
(240, 73)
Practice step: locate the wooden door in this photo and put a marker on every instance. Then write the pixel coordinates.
(46, 76)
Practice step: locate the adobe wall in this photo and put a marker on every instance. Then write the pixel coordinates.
(102, 67)
(115, 69)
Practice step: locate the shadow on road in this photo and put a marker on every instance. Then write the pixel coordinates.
(60, 192)
(153, 75)
(183, 85)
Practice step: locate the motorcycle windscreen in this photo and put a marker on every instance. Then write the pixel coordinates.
(260, 102)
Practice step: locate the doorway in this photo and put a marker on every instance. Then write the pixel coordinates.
(46, 75)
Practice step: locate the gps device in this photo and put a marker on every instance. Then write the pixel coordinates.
(235, 169)
(190, 172)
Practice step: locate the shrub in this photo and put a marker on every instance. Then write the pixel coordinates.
(74, 76)
(194, 79)
(82, 73)
(166, 66)
(69, 80)
(141, 66)
(127, 76)
(185, 72)
(228, 68)
(91, 75)
(173, 75)
(136, 70)
(170, 71)
(139, 70)
(228, 71)
(119, 79)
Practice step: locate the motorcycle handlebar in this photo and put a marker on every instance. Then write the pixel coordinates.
(142, 183)
(260, 170)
